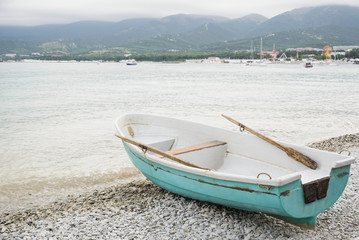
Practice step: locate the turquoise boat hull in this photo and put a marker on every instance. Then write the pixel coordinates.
(285, 202)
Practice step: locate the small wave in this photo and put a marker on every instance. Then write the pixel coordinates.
(35, 193)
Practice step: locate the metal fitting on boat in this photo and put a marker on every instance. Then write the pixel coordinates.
(264, 186)
(345, 150)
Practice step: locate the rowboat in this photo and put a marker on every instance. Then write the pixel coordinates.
(235, 169)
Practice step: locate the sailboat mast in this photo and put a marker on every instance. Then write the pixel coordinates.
(261, 49)
(252, 50)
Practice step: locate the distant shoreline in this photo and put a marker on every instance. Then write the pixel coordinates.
(188, 61)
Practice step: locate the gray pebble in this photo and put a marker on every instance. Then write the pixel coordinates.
(141, 210)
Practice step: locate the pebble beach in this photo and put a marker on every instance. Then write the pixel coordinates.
(141, 210)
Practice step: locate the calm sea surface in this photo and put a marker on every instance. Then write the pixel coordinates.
(57, 119)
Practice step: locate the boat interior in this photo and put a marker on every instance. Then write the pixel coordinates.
(225, 152)
(214, 155)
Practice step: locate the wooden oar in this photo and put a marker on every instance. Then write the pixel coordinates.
(307, 161)
(145, 147)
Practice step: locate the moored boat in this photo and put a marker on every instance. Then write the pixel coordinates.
(131, 62)
(233, 168)
(308, 65)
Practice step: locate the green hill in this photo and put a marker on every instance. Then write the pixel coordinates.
(303, 27)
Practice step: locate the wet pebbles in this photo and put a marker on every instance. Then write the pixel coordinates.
(141, 210)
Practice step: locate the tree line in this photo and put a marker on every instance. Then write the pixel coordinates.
(162, 57)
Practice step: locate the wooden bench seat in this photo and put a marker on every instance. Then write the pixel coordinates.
(196, 147)
(210, 154)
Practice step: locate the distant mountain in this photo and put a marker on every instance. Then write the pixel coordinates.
(310, 37)
(174, 24)
(304, 27)
(310, 26)
(310, 17)
(69, 31)
(131, 29)
(231, 29)
(209, 32)
(97, 35)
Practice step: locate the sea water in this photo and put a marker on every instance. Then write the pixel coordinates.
(57, 118)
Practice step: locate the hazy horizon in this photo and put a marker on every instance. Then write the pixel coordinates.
(42, 12)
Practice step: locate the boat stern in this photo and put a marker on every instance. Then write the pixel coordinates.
(304, 202)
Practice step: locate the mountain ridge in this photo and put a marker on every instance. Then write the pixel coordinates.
(187, 32)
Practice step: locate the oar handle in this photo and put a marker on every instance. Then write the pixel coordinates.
(307, 161)
(146, 147)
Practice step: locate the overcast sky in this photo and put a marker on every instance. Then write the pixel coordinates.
(38, 12)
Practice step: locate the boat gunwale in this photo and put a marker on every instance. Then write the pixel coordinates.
(280, 181)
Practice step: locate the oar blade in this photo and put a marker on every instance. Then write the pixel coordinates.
(300, 157)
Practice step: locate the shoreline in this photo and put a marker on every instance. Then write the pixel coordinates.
(188, 61)
(140, 209)
(21, 196)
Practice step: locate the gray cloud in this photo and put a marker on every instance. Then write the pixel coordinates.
(35, 12)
